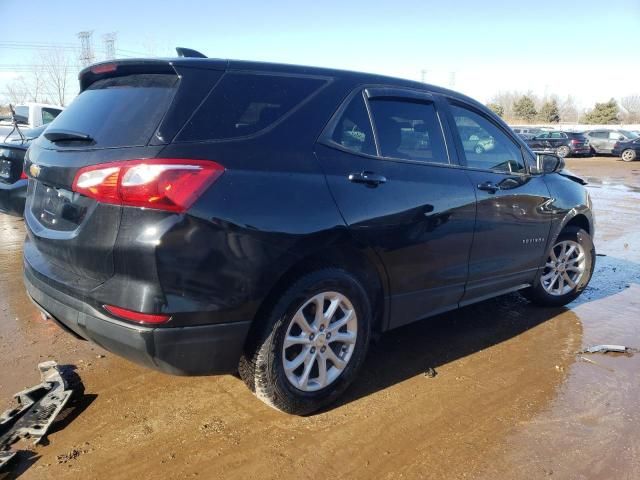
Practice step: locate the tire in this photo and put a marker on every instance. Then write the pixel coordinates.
(563, 151)
(539, 293)
(262, 366)
(628, 155)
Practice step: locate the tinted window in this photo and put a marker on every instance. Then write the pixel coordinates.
(353, 130)
(49, 114)
(615, 135)
(22, 111)
(244, 103)
(119, 111)
(485, 145)
(557, 135)
(599, 134)
(409, 130)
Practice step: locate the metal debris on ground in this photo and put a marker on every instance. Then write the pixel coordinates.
(430, 372)
(609, 348)
(37, 408)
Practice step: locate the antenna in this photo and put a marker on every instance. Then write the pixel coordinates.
(109, 40)
(86, 48)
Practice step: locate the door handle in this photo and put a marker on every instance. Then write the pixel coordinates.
(489, 187)
(368, 178)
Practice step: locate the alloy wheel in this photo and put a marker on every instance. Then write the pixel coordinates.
(564, 269)
(319, 341)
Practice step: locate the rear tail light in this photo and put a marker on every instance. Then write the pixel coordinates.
(161, 183)
(23, 176)
(616, 145)
(137, 316)
(575, 142)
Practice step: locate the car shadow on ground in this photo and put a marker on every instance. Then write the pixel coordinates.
(413, 350)
(417, 348)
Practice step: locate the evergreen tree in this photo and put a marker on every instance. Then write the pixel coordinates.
(525, 109)
(603, 113)
(496, 108)
(549, 112)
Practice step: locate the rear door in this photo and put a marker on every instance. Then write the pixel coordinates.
(597, 140)
(401, 193)
(513, 220)
(70, 236)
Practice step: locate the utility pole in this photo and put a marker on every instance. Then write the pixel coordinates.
(452, 79)
(109, 40)
(86, 48)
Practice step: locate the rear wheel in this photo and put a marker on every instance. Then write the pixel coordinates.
(567, 270)
(312, 345)
(629, 155)
(563, 151)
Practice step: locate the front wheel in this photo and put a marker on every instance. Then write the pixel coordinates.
(567, 270)
(629, 155)
(312, 344)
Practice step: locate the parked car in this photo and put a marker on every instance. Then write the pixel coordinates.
(247, 218)
(564, 144)
(528, 130)
(602, 141)
(628, 150)
(13, 180)
(526, 136)
(30, 115)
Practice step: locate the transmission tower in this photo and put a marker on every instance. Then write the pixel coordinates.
(86, 48)
(109, 40)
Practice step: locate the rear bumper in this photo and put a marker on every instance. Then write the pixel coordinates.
(12, 198)
(194, 350)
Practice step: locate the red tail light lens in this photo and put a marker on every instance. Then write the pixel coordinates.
(137, 316)
(161, 183)
(23, 176)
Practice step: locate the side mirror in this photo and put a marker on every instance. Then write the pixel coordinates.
(547, 163)
(621, 138)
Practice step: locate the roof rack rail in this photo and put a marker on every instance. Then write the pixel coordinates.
(188, 52)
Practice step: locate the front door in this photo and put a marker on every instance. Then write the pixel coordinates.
(401, 196)
(513, 221)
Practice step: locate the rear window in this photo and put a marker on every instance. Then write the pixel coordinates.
(243, 104)
(120, 111)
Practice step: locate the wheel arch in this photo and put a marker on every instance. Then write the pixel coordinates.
(359, 261)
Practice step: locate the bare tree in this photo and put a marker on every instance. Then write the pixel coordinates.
(569, 110)
(631, 106)
(56, 70)
(28, 88)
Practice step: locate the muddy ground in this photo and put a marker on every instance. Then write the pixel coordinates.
(511, 399)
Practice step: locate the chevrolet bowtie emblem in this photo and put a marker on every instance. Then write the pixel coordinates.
(34, 170)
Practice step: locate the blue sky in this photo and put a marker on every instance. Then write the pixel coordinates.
(589, 49)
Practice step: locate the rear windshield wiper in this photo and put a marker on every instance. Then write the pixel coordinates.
(67, 136)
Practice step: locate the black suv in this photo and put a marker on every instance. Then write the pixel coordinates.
(203, 216)
(563, 144)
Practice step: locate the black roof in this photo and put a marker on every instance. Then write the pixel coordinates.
(87, 77)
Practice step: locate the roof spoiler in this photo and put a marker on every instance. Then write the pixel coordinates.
(188, 52)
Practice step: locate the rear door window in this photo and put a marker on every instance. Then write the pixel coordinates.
(353, 129)
(49, 115)
(244, 104)
(119, 111)
(408, 129)
(485, 145)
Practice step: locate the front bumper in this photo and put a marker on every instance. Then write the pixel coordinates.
(12, 197)
(194, 350)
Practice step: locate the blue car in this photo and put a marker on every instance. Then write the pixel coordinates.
(627, 150)
(13, 181)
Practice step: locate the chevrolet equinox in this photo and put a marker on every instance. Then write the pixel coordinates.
(203, 216)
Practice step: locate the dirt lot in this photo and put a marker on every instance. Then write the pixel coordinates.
(511, 398)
